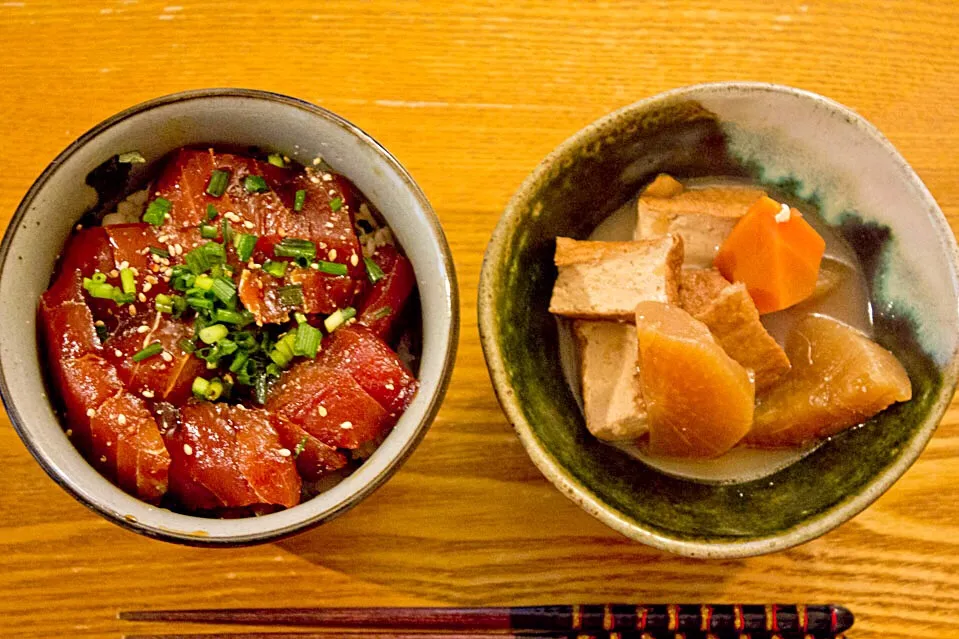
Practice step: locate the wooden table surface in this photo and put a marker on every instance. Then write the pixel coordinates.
(470, 96)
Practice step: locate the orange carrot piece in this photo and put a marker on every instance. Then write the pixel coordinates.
(775, 253)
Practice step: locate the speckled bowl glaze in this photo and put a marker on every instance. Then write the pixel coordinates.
(794, 142)
(229, 117)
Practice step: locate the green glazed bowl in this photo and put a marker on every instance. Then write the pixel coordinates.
(793, 142)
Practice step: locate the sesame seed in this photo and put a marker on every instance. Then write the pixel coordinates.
(103, 459)
(151, 279)
(148, 394)
(109, 444)
(132, 310)
(322, 411)
(327, 177)
(332, 192)
(69, 432)
(91, 412)
(248, 224)
(98, 323)
(187, 449)
(331, 254)
(142, 328)
(354, 260)
(114, 273)
(162, 238)
(118, 352)
(329, 225)
(316, 161)
(346, 425)
(78, 227)
(284, 452)
(166, 356)
(390, 386)
(171, 249)
(135, 271)
(179, 248)
(315, 266)
(142, 297)
(147, 286)
(124, 264)
(314, 179)
(121, 419)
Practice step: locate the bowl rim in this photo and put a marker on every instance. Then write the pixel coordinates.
(450, 344)
(562, 479)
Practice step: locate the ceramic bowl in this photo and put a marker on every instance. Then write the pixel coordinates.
(217, 117)
(794, 142)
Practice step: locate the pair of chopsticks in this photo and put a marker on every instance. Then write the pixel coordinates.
(590, 621)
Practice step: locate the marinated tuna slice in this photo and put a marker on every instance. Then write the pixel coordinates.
(85, 383)
(212, 466)
(131, 244)
(86, 252)
(326, 218)
(167, 375)
(263, 460)
(330, 405)
(839, 378)
(272, 299)
(383, 303)
(184, 182)
(68, 328)
(314, 459)
(373, 364)
(699, 400)
(142, 459)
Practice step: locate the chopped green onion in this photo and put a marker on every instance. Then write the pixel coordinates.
(123, 298)
(128, 281)
(224, 290)
(338, 318)
(276, 269)
(200, 387)
(227, 231)
(204, 257)
(157, 211)
(186, 345)
(203, 282)
(299, 199)
(244, 244)
(245, 339)
(283, 353)
(291, 295)
(255, 184)
(307, 341)
(199, 303)
(300, 446)
(102, 333)
(294, 247)
(239, 362)
(167, 303)
(382, 312)
(159, 252)
(336, 203)
(299, 317)
(230, 317)
(373, 271)
(153, 349)
(331, 268)
(276, 160)
(211, 212)
(208, 232)
(131, 157)
(260, 386)
(213, 333)
(99, 277)
(218, 183)
(99, 290)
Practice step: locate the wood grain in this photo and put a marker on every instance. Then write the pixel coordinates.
(470, 96)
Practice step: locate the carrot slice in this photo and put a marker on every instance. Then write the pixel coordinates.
(775, 253)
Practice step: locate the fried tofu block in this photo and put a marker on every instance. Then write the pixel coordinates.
(608, 367)
(699, 287)
(732, 318)
(606, 280)
(703, 217)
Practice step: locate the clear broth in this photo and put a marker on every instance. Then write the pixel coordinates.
(848, 303)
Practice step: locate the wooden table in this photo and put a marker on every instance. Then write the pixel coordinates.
(470, 96)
